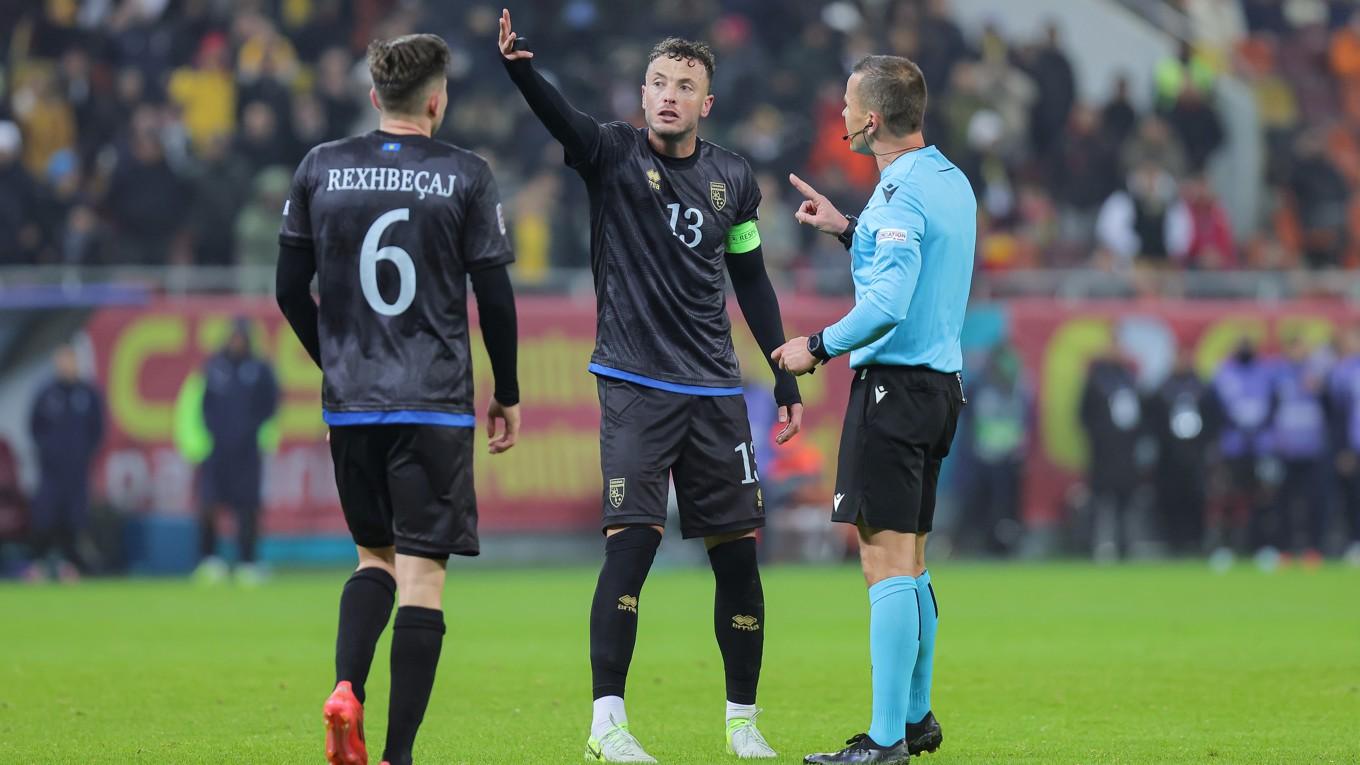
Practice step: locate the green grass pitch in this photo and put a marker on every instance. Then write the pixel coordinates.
(1036, 664)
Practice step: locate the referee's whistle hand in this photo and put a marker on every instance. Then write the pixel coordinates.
(795, 357)
(792, 419)
(816, 210)
(507, 40)
(508, 417)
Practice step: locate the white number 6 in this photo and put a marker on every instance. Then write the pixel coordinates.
(369, 256)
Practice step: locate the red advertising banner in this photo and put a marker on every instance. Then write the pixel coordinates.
(549, 481)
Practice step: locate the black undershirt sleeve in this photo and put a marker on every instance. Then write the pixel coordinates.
(760, 306)
(293, 289)
(577, 131)
(496, 309)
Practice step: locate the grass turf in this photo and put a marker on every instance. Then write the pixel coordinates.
(1036, 664)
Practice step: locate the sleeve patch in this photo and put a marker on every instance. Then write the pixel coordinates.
(743, 238)
(891, 235)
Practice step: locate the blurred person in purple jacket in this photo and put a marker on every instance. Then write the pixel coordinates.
(1344, 415)
(1241, 397)
(1299, 439)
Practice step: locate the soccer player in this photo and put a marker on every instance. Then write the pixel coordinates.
(393, 223)
(911, 254)
(668, 212)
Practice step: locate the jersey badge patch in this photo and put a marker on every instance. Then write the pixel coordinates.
(717, 193)
(616, 492)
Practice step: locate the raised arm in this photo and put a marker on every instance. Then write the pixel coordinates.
(577, 131)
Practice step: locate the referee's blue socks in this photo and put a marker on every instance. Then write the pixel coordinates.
(925, 657)
(894, 642)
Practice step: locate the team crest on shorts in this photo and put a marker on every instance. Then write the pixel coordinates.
(616, 492)
(717, 193)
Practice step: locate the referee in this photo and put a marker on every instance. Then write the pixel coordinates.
(911, 253)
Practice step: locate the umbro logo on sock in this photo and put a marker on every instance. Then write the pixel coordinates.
(879, 393)
(628, 603)
(837, 499)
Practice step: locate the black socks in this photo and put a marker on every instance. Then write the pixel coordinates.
(365, 607)
(417, 636)
(739, 616)
(628, 556)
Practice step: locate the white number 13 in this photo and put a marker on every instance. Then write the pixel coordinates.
(748, 462)
(693, 228)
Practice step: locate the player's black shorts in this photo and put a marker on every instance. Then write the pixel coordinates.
(647, 435)
(899, 425)
(409, 486)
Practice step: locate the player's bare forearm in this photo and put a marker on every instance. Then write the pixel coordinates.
(573, 128)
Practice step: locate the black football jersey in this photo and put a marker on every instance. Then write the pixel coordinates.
(658, 238)
(396, 222)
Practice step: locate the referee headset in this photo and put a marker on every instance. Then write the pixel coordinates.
(867, 125)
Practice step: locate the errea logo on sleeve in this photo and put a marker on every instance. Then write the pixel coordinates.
(891, 235)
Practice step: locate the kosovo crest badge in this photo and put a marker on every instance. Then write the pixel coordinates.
(616, 492)
(717, 193)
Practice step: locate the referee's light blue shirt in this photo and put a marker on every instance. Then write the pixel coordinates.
(912, 262)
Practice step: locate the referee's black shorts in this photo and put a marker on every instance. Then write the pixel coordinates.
(899, 425)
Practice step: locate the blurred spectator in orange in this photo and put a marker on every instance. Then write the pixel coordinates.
(1344, 57)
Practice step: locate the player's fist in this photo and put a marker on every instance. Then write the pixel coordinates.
(507, 40)
(508, 418)
(816, 210)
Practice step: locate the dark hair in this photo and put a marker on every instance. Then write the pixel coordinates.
(684, 50)
(894, 87)
(403, 67)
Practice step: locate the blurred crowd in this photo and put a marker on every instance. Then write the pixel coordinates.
(1259, 457)
(165, 131)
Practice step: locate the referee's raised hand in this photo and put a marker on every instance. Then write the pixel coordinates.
(816, 210)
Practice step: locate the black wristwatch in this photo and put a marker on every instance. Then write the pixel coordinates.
(817, 348)
(847, 237)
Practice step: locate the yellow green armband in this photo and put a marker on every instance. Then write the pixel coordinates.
(743, 237)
